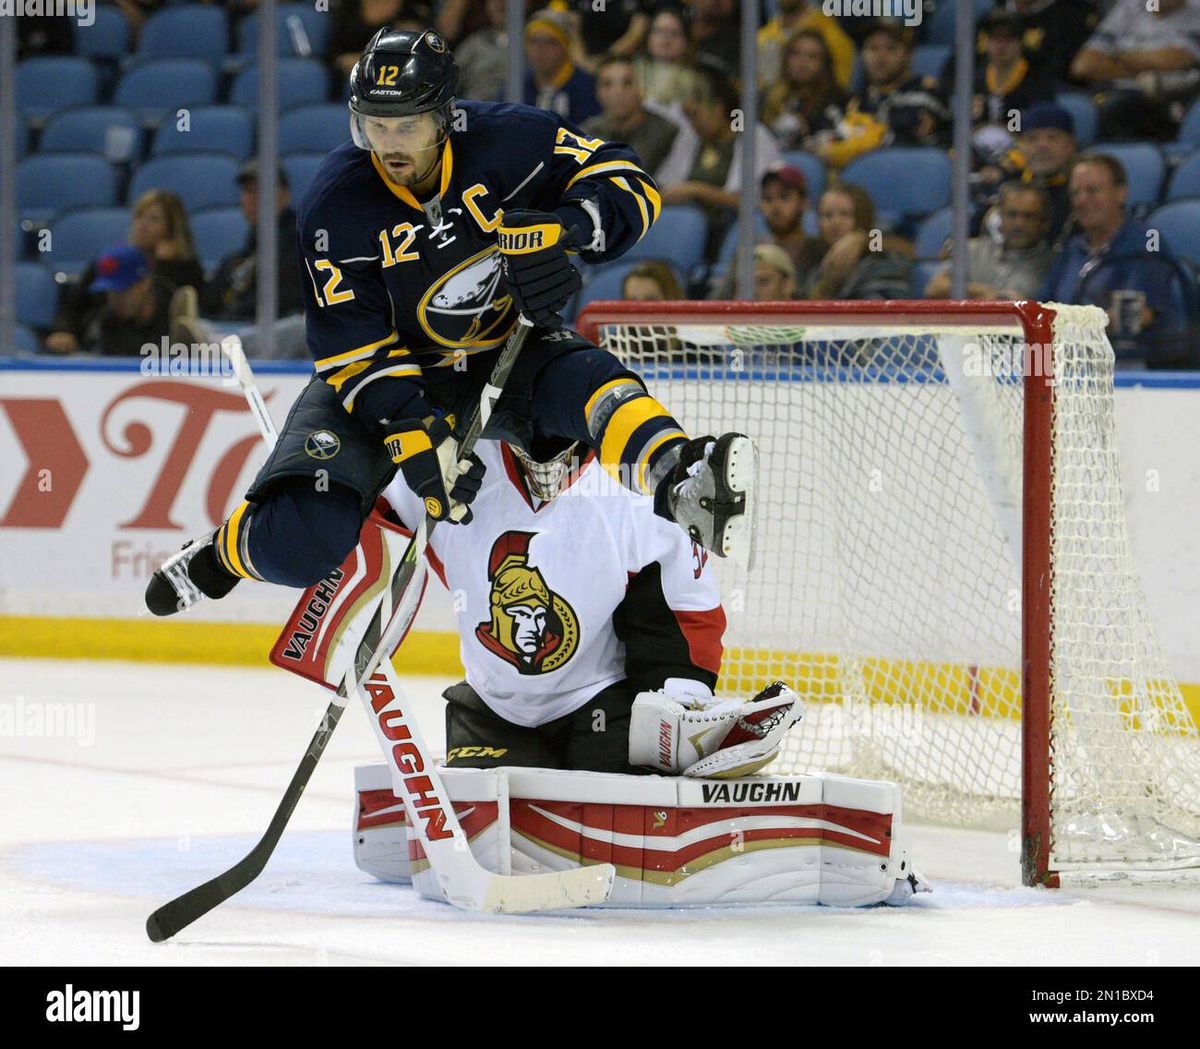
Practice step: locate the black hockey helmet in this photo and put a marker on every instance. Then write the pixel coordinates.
(402, 72)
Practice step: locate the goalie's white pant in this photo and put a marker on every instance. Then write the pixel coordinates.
(675, 842)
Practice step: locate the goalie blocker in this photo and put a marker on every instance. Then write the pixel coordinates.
(675, 842)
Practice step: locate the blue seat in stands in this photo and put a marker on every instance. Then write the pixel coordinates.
(1185, 179)
(932, 234)
(108, 37)
(48, 84)
(111, 131)
(930, 60)
(679, 235)
(1179, 225)
(1085, 114)
(219, 232)
(1144, 168)
(48, 183)
(79, 235)
(939, 27)
(186, 31)
(1189, 132)
(300, 169)
(313, 129)
(200, 180)
(24, 341)
(313, 31)
(37, 295)
(159, 87)
(301, 82)
(605, 282)
(903, 181)
(209, 129)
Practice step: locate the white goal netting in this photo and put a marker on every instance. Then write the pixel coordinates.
(887, 586)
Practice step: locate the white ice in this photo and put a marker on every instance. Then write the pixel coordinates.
(183, 766)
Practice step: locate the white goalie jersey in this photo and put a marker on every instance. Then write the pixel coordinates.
(556, 600)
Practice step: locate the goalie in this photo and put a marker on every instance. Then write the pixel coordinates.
(590, 628)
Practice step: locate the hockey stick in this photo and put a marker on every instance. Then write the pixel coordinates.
(466, 883)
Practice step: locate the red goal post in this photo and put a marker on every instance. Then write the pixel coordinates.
(1023, 426)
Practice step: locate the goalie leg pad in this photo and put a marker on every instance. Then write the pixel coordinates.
(676, 842)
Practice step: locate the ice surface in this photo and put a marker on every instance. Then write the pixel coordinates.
(156, 778)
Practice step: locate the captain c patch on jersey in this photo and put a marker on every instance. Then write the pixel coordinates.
(530, 627)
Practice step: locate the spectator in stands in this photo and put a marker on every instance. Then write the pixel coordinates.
(232, 294)
(483, 57)
(458, 20)
(1053, 31)
(774, 274)
(625, 118)
(1114, 263)
(859, 263)
(1047, 145)
(160, 230)
(791, 17)
(665, 69)
(554, 81)
(805, 101)
(1015, 266)
(651, 281)
(1006, 82)
(1157, 44)
(897, 108)
(783, 202)
(134, 310)
(716, 33)
(616, 27)
(704, 167)
(356, 21)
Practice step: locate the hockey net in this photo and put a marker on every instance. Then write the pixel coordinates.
(943, 569)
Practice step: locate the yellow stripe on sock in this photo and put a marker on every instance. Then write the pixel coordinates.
(627, 418)
(232, 558)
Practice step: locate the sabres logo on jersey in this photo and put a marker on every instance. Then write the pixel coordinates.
(467, 307)
(531, 627)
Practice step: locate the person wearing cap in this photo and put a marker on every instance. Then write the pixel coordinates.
(1146, 56)
(774, 274)
(782, 203)
(1047, 146)
(232, 294)
(136, 304)
(1007, 81)
(896, 108)
(625, 118)
(1053, 31)
(554, 82)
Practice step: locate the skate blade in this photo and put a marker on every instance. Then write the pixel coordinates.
(741, 470)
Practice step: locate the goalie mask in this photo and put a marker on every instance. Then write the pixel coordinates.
(400, 76)
(544, 469)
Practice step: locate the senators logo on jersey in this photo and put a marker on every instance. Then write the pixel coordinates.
(530, 627)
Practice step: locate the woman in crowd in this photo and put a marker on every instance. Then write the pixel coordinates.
(859, 261)
(806, 99)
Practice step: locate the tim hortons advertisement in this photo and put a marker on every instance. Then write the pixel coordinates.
(103, 474)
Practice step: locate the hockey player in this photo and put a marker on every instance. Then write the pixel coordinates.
(573, 600)
(421, 241)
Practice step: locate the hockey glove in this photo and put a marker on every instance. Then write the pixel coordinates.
(425, 456)
(539, 275)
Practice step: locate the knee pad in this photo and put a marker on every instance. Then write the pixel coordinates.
(299, 534)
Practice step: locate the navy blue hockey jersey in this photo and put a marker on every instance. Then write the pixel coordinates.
(394, 285)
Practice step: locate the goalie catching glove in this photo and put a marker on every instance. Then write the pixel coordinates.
(425, 455)
(540, 277)
(708, 738)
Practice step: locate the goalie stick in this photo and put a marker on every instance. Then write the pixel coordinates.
(465, 882)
